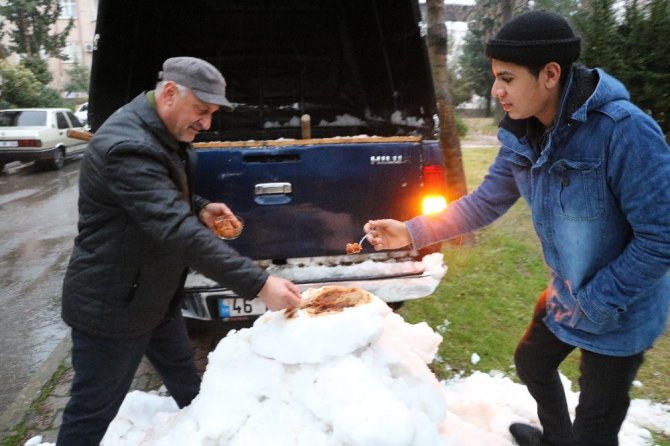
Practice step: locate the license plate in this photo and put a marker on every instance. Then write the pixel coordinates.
(230, 307)
(8, 143)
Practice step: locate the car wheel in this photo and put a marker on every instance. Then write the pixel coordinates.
(58, 161)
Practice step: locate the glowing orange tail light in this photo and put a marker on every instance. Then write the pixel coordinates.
(434, 199)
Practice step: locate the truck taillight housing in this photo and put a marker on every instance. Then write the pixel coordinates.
(30, 143)
(434, 199)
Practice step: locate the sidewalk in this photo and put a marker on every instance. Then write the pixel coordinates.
(45, 417)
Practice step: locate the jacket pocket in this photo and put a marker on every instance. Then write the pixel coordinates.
(580, 188)
(125, 288)
(580, 321)
(567, 312)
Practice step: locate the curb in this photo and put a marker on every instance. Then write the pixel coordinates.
(16, 411)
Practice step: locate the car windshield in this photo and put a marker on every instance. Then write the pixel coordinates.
(23, 118)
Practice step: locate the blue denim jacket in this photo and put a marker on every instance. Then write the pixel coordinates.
(598, 186)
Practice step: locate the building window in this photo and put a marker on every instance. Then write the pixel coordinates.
(68, 9)
(72, 52)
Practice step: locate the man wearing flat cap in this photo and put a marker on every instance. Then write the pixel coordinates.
(595, 171)
(140, 229)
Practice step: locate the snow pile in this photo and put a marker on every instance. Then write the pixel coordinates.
(352, 377)
(482, 406)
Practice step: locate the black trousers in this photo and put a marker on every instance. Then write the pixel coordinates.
(604, 384)
(104, 370)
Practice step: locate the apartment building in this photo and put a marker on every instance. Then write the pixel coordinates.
(80, 41)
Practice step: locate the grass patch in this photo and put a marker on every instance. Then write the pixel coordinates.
(486, 299)
(480, 126)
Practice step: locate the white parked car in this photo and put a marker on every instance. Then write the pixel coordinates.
(81, 112)
(40, 135)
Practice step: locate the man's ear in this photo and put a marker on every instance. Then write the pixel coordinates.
(552, 72)
(168, 95)
(170, 89)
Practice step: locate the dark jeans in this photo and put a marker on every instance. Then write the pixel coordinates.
(104, 370)
(604, 383)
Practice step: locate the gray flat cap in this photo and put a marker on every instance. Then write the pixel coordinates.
(200, 76)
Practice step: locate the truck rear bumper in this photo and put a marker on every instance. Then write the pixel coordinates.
(392, 281)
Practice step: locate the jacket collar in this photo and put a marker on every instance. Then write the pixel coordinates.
(596, 88)
(146, 112)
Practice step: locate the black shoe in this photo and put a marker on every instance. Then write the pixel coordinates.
(526, 435)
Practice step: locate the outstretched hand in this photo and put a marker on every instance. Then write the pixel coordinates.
(210, 212)
(278, 293)
(387, 234)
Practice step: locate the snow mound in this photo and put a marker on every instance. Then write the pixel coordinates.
(343, 372)
(354, 376)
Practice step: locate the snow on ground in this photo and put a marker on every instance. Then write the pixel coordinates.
(354, 377)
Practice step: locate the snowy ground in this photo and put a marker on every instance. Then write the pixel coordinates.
(353, 377)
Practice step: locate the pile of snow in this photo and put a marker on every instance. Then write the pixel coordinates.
(358, 376)
(309, 380)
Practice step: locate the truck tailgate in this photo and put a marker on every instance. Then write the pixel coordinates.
(311, 200)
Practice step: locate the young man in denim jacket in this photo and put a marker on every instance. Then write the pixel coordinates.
(595, 171)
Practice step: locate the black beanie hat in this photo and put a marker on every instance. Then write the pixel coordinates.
(535, 38)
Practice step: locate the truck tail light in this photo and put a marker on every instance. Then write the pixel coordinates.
(434, 186)
(30, 143)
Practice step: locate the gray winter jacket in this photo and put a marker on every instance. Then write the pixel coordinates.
(139, 231)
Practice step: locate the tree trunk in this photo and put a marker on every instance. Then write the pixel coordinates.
(506, 7)
(449, 139)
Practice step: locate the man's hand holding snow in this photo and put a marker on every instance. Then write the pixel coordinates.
(278, 293)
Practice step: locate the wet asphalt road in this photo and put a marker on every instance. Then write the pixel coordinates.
(38, 222)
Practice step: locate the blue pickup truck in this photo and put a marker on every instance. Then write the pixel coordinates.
(334, 124)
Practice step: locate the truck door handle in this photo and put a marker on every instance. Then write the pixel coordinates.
(273, 188)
